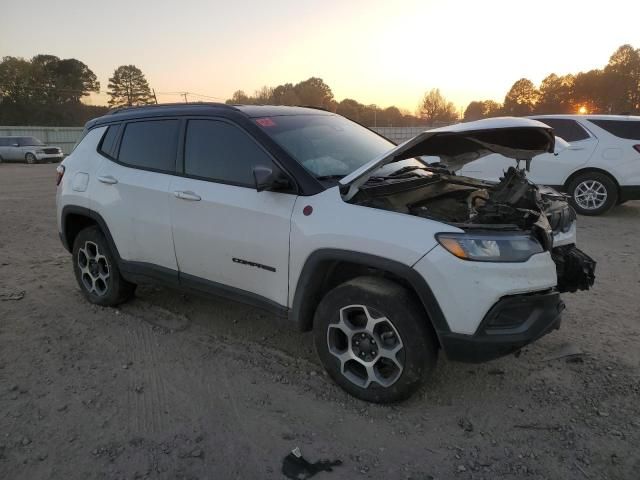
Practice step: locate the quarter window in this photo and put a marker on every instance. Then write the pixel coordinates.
(108, 145)
(219, 151)
(566, 129)
(150, 144)
(629, 129)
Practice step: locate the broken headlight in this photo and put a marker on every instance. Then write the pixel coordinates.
(494, 247)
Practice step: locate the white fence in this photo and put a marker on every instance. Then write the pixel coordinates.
(399, 134)
(66, 137)
(63, 137)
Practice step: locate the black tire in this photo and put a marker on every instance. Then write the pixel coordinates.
(30, 158)
(109, 291)
(603, 182)
(418, 347)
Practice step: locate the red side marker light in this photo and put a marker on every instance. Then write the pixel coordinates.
(265, 122)
(308, 210)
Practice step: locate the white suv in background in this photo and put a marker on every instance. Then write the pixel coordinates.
(600, 169)
(28, 149)
(324, 222)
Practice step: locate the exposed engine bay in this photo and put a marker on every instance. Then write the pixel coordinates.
(512, 204)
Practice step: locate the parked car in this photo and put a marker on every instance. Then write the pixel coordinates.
(28, 149)
(324, 222)
(600, 169)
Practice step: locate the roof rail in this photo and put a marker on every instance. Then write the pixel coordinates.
(173, 104)
(315, 108)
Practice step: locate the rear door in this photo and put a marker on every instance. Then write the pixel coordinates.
(226, 234)
(551, 169)
(131, 191)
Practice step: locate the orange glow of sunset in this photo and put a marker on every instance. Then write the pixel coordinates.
(375, 51)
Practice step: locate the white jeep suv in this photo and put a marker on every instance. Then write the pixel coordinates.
(322, 221)
(599, 169)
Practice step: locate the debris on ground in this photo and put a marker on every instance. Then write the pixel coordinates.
(296, 467)
(568, 351)
(12, 296)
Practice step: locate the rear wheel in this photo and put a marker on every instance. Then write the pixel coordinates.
(374, 339)
(30, 158)
(96, 270)
(593, 193)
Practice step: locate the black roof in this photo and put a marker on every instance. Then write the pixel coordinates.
(204, 108)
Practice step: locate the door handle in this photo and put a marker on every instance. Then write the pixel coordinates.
(187, 196)
(108, 179)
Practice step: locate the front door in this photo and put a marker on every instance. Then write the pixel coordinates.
(226, 234)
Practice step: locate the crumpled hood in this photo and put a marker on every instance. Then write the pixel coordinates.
(462, 143)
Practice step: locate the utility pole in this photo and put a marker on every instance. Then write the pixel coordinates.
(184, 94)
(154, 95)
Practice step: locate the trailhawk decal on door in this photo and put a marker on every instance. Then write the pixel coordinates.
(253, 264)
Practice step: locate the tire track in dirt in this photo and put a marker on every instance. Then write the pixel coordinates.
(146, 392)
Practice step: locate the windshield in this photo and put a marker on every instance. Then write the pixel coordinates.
(326, 145)
(29, 141)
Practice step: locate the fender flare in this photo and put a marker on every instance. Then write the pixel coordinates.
(312, 276)
(93, 215)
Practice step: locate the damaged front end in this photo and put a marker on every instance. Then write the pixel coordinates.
(512, 205)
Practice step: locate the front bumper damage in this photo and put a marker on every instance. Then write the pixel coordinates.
(575, 269)
(515, 321)
(512, 323)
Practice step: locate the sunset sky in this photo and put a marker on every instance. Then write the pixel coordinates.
(382, 52)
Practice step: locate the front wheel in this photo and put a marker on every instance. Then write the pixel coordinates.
(593, 193)
(30, 158)
(96, 270)
(374, 339)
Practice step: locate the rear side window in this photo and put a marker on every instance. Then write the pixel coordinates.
(4, 142)
(222, 152)
(628, 129)
(567, 129)
(108, 144)
(150, 145)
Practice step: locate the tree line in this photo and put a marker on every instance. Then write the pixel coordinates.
(47, 90)
(613, 89)
(314, 92)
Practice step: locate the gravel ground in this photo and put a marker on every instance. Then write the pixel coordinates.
(177, 386)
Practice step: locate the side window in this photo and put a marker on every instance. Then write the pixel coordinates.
(150, 144)
(216, 150)
(628, 129)
(4, 142)
(566, 129)
(108, 144)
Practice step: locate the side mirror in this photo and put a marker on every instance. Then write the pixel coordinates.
(266, 178)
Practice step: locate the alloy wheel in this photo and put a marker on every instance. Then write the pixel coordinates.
(94, 269)
(367, 345)
(590, 194)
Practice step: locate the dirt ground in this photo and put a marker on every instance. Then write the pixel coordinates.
(177, 386)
